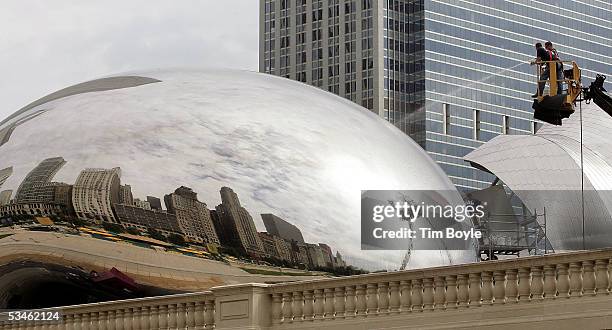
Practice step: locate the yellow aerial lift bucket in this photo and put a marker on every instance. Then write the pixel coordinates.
(557, 104)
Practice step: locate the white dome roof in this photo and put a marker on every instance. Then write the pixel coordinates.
(544, 171)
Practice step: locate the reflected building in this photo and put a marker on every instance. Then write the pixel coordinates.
(63, 196)
(5, 174)
(338, 261)
(329, 256)
(94, 193)
(155, 203)
(125, 195)
(275, 246)
(316, 256)
(281, 228)
(141, 204)
(35, 209)
(5, 197)
(451, 74)
(142, 219)
(238, 224)
(192, 215)
(37, 185)
(299, 253)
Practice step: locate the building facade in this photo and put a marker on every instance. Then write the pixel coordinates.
(238, 224)
(155, 203)
(269, 246)
(62, 196)
(125, 195)
(281, 228)
(276, 246)
(141, 204)
(37, 185)
(142, 219)
(5, 173)
(338, 261)
(192, 215)
(32, 209)
(5, 197)
(94, 193)
(328, 254)
(316, 256)
(299, 254)
(451, 74)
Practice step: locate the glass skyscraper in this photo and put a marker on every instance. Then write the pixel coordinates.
(450, 73)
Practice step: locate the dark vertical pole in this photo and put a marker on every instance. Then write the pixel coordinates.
(582, 178)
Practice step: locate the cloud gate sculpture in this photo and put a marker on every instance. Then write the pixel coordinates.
(283, 147)
(544, 170)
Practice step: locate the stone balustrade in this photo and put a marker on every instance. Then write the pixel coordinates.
(516, 285)
(515, 281)
(192, 311)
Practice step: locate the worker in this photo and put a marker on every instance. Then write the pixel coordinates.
(558, 65)
(541, 56)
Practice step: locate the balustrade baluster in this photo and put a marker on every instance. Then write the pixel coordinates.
(405, 298)
(131, 318)
(198, 317)
(190, 312)
(173, 317)
(308, 305)
(550, 282)
(93, 320)
(296, 308)
(394, 297)
(451, 292)
(417, 295)
(319, 304)
(487, 288)
(76, 323)
(462, 293)
(383, 298)
(511, 286)
(181, 318)
(563, 283)
(142, 321)
(428, 294)
(588, 278)
(119, 319)
(329, 303)
(474, 290)
(350, 302)
(277, 305)
(339, 302)
(360, 297)
(524, 285)
(154, 317)
(162, 320)
(575, 272)
(103, 320)
(209, 313)
(372, 302)
(602, 281)
(287, 302)
(440, 293)
(66, 319)
(499, 287)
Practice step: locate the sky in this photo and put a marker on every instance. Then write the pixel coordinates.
(48, 45)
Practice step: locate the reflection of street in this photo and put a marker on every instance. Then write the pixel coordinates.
(31, 284)
(147, 266)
